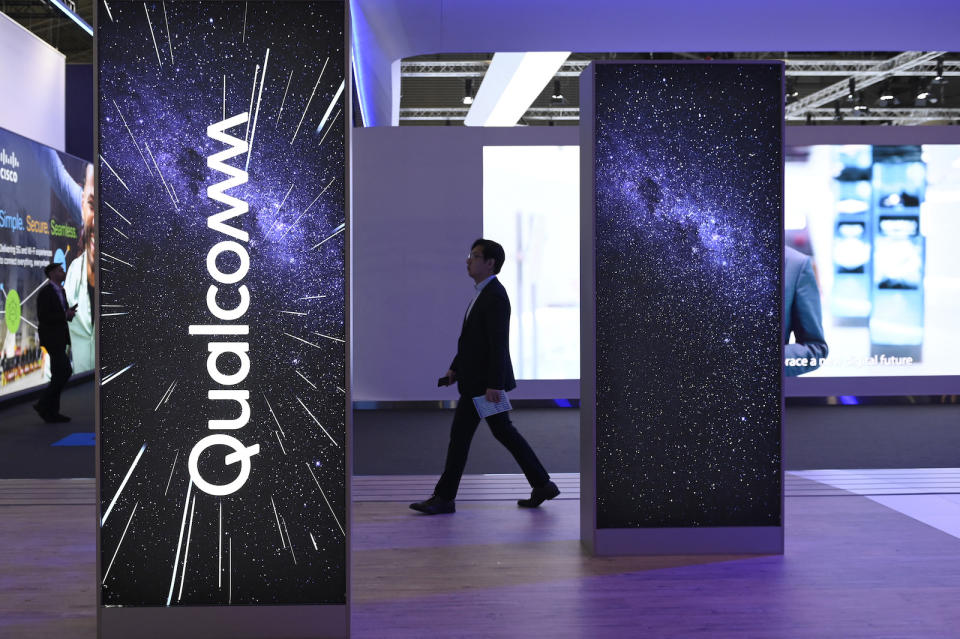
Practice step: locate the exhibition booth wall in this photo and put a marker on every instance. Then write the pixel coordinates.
(415, 240)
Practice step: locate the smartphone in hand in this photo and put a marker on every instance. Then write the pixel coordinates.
(443, 381)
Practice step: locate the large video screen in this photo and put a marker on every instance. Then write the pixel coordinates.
(688, 242)
(875, 228)
(531, 205)
(222, 338)
(46, 215)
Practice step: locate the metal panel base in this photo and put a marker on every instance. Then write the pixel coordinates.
(221, 622)
(734, 540)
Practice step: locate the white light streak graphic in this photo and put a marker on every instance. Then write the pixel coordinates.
(108, 10)
(123, 485)
(281, 443)
(274, 414)
(336, 232)
(292, 554)
(305, 379)
(220, 552)
(313, 297)
(150, 24)
(341, 390)
(176, 557)
(277, 517)
(335, 339)
(113, 376)
(165, 187)
(293, 312)
(308, 207)
(256, 114)
(333, 103)
(122, 119)
(120, 232)
(224, 97)
(329, 128)
(169, 40)
(104, 160)
(113, 314)
(186, 550)
(107, 573)
(318, 424)
(290, 77)
(253, 92)
(107, 255)
(174, 465)
(335, 518)
(310, 100)
(303, 340)
(314, 542)
(165, 393)
(109, 206)
(29, 322)
(243, 37)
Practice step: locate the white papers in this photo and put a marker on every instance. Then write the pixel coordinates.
(485, 408)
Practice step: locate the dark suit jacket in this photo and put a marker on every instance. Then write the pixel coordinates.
(801, 312)
(52, 319)
(483, 353)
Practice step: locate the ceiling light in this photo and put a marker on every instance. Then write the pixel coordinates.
(852, 90)
(511, 84)
(70, 13)
(557, 97)
(468, 91)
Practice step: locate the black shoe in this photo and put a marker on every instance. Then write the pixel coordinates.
(44, 415)
(435, 506)
(58, 418)
(539, 495)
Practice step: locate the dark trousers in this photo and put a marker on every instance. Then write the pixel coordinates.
(60, 372)
(465, 422)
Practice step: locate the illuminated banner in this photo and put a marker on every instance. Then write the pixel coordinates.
(222, 338)
(686, 164)
(46, 215)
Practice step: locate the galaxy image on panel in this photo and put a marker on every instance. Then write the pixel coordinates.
(221, 150)
(688, 247)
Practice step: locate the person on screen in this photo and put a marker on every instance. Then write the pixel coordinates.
(482, 367)
(79, 285)
(53, 315)
(81, 279)
(802, 316)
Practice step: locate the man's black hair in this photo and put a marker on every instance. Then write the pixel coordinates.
(491, 251)
(49, 268)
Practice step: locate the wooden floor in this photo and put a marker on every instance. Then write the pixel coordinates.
(868, 554)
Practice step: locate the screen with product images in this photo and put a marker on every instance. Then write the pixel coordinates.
(688, 204)
(222, 338)
(46, 215)
(877, 226)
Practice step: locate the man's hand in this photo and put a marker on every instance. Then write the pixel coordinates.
(451, 376)
(493, 395)
(71, 312)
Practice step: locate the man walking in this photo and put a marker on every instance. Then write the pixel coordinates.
(482, 367)
(53, 315)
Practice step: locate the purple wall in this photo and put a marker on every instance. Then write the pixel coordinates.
(78, 114)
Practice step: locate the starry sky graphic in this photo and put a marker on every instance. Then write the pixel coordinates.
(688, 170)
(167, 71)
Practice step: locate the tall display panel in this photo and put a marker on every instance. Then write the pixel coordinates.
(682, 252)
(222, 441)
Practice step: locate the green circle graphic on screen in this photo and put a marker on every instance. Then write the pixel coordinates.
(12, 311)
